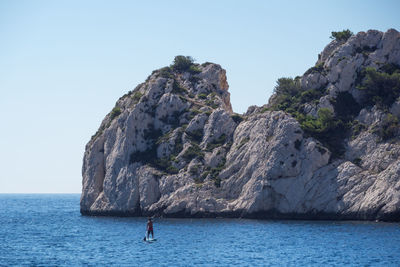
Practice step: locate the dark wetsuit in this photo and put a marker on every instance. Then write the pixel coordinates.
(150, 229)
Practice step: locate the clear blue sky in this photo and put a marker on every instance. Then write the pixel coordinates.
(63, 64)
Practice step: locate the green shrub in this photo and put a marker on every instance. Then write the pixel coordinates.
(192, 152)
(205, 64)
(116, 111)
(192, 113)
(216, 143)
(388, 128)
(381, 87)
(136, 96)
(237, 118)
(323, 123)
(325, 128)
(193, 69)
(196, 135)
(202, 96)
(164, 164)
(182, 63)
(357, 128)
(289, 97)
(177, 88)
(309, 96)
(390, 68)
(172, 170)
(178, 146)
(287, 86)
(195, 111)
(346, 107)
(214, 173)
(208, 112)
(341, 36)
(211, 103)
(181, 97)
(331, 130)
(194, 169)
(166, 72)
(318, 68)
(164, 138)
(217, 182)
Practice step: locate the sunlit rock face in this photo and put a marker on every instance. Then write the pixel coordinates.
(173, 147)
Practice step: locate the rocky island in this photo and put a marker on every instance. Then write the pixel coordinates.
(325, 146)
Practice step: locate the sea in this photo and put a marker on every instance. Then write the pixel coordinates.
(48, 230)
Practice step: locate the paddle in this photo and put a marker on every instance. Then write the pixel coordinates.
(145, 236)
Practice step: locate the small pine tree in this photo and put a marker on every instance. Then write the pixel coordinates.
(342, 36)
(182, 63)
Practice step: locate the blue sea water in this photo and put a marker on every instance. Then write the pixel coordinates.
(48, 230)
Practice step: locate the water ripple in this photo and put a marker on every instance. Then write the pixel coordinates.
(47, 230)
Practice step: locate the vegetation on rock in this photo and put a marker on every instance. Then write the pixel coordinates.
(115, 113)
(388, 128)
(342, 36)
(237, 118)
(196, 135)
(328, 128)
(381, 87)
(182, 63)
(166, 72)
(194, 151)
(149, 156)
(136, 96)
(216, 143)
(318, 68)
(185, 63)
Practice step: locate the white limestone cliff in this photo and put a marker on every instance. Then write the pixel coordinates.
(173, 147)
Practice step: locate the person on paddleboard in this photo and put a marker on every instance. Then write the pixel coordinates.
(150, 229)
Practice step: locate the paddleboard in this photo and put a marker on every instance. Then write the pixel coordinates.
(151, 240)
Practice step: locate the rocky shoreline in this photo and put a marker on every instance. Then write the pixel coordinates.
(264, 215)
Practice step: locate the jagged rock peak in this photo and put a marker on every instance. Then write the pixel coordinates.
(164, 123)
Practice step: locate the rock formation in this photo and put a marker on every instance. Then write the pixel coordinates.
(326, 146)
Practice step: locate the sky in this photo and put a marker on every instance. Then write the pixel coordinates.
(64, 64)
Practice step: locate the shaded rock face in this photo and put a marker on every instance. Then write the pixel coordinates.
(173, 147)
